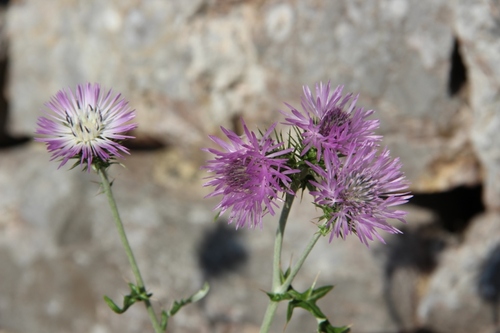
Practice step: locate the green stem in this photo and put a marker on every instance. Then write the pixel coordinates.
(279, 288)
(278, 242)
(278, 245)
(295, 269)
(128, 250)
(268, 317)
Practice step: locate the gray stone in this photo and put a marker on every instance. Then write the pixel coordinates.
(451, 302)
(61, 253)
(189, 68)
(478, 24)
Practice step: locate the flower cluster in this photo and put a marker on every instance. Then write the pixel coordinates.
(87, 125)
(250, 175)
(336, 155)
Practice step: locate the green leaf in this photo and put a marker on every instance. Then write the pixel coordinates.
(77, 163)
(127, 302)
(136, 295)
(326, 327)
(200, 293)
(112, 305)
(320, 292)
(216, 217)
(193, 298)
(312, 308)
(165, 315)
(164, 320)
(307, 301)
(309, 306)
(279, 297)
(284, 275)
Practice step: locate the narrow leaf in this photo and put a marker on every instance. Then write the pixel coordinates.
(164, 320)
(279, 297)
(326, 327)
(193, 298)
(127, 302)
(320, 292)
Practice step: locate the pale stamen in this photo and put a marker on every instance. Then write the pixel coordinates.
(87, 125)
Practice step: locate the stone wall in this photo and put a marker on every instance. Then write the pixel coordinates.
(429, 68)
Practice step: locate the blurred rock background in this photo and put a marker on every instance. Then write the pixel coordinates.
(430, 69)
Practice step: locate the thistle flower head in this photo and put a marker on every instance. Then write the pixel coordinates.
(250, 174)
(87, 125)
(328, 122)
(357, 193)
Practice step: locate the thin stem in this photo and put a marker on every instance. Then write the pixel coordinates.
(269, 316)
(128, 250)
(278, 245)
(281, 288)
(278, 242)
(298, 265)
(273, 306)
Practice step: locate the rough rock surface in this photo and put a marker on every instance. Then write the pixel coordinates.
(60, 256)
(189, 67)
(478, 25)
(452, 302)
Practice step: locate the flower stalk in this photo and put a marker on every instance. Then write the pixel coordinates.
(278, 243)
(89, 125)
(126, 245)
(278, 286)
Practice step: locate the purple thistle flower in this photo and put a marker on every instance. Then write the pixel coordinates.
(328, 123)
(87, 125)
(356, 192)
(249, 175)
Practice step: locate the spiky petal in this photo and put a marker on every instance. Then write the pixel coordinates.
(357, 193)
(329, 123)
(249, 174)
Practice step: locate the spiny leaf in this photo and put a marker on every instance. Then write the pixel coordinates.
(179, 304)
(216, 217)
(284, 275)
(127, 302)
(326, 327)
(164, 320)
(279, 297)
(193, 298)
(320, 292)
(136, 295)
(307, 301)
